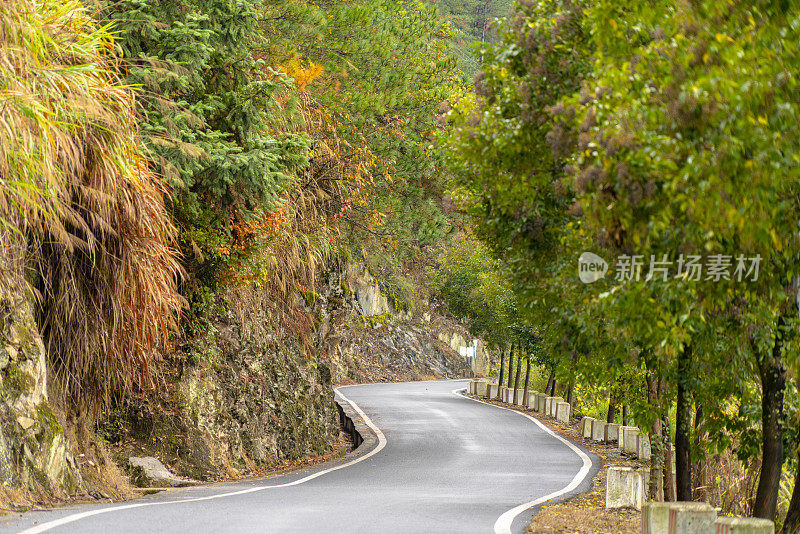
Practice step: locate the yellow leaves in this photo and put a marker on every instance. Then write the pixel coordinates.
(613, 24)
(776, 241)
(762, 120)
(302, 75)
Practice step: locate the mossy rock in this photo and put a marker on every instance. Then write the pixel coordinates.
(16, 381)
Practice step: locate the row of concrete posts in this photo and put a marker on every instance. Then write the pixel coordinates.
(629, 439)
(626, 487)
(554, 407)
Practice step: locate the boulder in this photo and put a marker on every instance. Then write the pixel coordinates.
(146, 471)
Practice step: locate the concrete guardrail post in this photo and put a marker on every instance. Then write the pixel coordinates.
(520, 397)
(697, 518)
(550, 405)
(482, 389)
(586, 427)
(598, 430)
(743, 525)
(548, 402)
(540, 402)
(643, 449)
(563, 410)
(628, 442)
(691, 518)
(532, 397)
(624, 488)
(655, 518)
(612, 432)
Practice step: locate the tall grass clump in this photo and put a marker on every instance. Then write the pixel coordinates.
(78, 195)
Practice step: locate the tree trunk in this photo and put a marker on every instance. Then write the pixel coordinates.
(697, 469)
(683, 420)
(624, 415)
(516, 377)
(550, 382)
(656, 489)
(510, 365)
(527, 381)
(571, 388)
(669, 484)
(773, 383)
(611, 416)
(792, 523)
(500, 378)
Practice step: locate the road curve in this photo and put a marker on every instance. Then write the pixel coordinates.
(443, 462)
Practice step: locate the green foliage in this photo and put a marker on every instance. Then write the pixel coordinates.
(472, 286)
(653, 129)
(388, 72)
(211, 108)
(471, 22)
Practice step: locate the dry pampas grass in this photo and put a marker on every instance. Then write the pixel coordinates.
(77, 193)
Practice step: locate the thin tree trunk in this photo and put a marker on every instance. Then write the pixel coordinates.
(550, 380)
(624, 415)
(516, 377)
(570, 394)
(773, 383)
(500, 378)
(669, 483)
(611, 416)
(510, 365)
(527, 381)
(792, 523)
(656, 489)
(697, 468)
(683, 420)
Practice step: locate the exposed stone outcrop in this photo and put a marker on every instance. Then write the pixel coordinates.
(146, 471)
(34, 454)
(367, 291)
(368, 337)
(244, 394)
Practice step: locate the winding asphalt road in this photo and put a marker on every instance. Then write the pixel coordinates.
(441, 463)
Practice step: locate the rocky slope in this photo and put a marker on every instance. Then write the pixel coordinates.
(36, 460)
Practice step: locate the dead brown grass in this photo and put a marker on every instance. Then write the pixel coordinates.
(76, 191)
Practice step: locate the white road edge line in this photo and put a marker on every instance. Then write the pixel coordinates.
(83, 515)
(503, 523)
